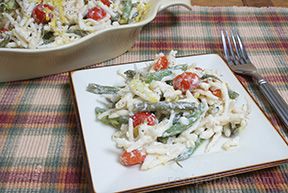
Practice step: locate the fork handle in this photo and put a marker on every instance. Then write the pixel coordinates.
(276, 101)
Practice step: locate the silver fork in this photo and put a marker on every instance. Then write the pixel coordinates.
(240, 63)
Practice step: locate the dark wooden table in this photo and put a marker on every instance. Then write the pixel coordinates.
(252, 3)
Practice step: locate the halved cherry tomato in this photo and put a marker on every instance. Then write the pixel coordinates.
(106, 2)
(217, 92)
(161, 64)
(144, 117)
(186, 81)
(132, 158)
(42, 13)
(96, 13)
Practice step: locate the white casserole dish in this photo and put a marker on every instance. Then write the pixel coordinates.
(19, 63)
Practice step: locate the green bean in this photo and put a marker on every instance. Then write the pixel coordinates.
(99, 110)
(187, 154)
(127, 8)
(150, 76)
(235, 129)
(78, 32)
(159, 75)
(5, 41)
(48, 37)
(8, 6)
(130, 74)
(164, 106)
(178, 127)
(99, 89)
(214, 108)
(162, 139)
(114, 122)
(183, 67)
(232, 94)
(177, 117)
(205, 76)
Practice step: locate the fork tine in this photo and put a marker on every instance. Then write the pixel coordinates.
(231, 49)
(239, 55)
(226, 52)
(242, 48)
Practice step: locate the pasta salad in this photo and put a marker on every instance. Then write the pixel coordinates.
(165, 111)
(39, 24)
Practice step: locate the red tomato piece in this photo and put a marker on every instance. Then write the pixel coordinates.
(96, 13)
(217, 92)
(42, 13)
(144, 117)
(132, 158)
(186, 81)
(161, 64)
(106, 2)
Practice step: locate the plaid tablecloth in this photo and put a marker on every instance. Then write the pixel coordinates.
(39, 143)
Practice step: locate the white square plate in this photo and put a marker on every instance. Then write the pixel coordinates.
(261, 146)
